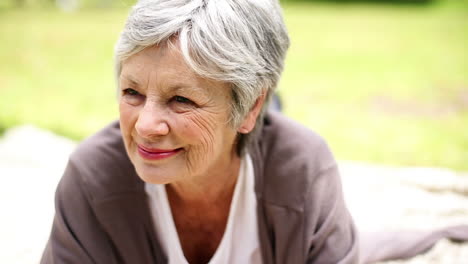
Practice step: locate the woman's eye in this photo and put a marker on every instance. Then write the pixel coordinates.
(132, 97)
(130, 91)
(181, 99)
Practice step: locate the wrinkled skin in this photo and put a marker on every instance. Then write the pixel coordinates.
(165, 105)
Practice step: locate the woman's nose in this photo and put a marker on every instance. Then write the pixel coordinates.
(152, 121)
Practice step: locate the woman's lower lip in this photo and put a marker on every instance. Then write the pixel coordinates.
(159, 155)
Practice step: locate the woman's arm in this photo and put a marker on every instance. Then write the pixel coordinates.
(76, 235)
(331, 233)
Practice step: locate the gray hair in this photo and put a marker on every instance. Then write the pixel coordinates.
(241, 42)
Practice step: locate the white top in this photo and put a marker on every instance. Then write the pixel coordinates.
(240, 242)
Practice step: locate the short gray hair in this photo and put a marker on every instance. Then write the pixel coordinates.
(241, 42)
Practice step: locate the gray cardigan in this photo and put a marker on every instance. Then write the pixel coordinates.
(102, 213)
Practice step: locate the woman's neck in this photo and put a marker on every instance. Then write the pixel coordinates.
(207, 190)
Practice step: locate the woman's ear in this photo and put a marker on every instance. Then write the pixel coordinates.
(251, 118)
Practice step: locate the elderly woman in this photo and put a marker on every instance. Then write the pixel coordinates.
(196, 171)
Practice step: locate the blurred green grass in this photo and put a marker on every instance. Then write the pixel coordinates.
(382, 83)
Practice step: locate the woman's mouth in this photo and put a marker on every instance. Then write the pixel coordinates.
(156, 154)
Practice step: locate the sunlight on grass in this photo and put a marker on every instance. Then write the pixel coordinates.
(383, 84)
(386, 85)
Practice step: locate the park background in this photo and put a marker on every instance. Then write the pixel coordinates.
(383, 81)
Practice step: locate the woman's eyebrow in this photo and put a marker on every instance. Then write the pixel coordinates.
(186, 87)
(129, 78)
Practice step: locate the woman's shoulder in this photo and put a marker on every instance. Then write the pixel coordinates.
(102, 164)
(295, 142)
(104, 145)
(292, 158)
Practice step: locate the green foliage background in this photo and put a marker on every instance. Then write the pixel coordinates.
(383, 83)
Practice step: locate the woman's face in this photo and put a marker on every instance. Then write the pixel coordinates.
(175, 124)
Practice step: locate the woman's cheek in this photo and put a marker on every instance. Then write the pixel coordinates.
(201, 137)
(129, 111)
(124, 108)
(124, 120)
(128, 117)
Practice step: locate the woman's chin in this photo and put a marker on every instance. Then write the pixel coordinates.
(154, 174)
(154, 179)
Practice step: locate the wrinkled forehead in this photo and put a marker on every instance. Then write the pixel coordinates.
(156, 57)
(164, 66)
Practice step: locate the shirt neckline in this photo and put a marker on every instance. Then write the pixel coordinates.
(229, 225)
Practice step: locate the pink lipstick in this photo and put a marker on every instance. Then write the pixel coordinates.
(156, 154)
